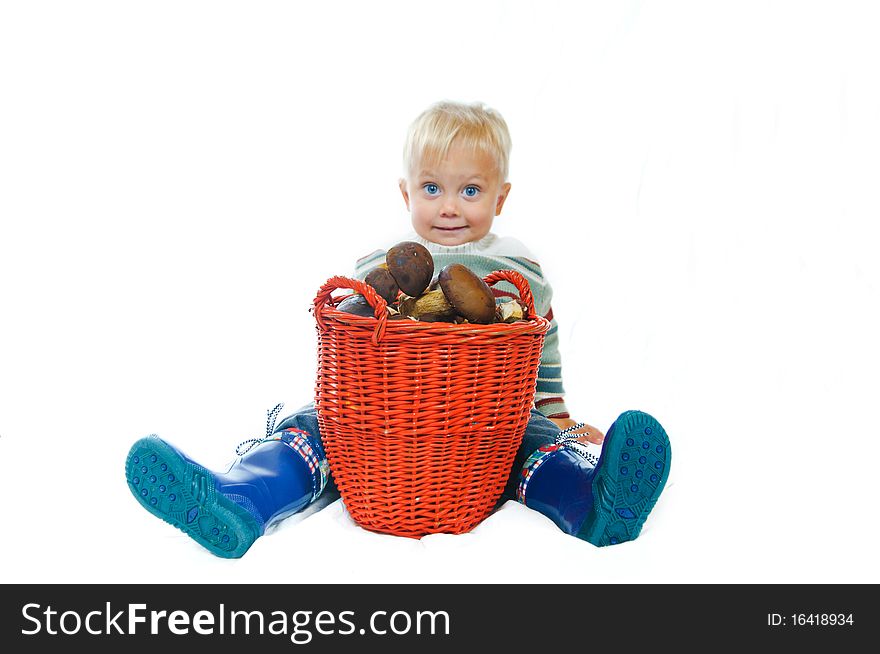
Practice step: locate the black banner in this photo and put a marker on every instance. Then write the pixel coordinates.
(416, 618)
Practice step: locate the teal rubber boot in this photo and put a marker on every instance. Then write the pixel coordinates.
(226, 512)
(628, 480)
(602, 499)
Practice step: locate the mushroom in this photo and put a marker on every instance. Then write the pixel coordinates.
(394, 314)
(356, 305)
(431, 306)
(382, 280)
(509, 311)
(411, 265)
(467, 293)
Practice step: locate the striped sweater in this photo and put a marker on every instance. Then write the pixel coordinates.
(483, 257)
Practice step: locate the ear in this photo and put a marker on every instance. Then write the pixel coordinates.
(501, 198)
(402, 184)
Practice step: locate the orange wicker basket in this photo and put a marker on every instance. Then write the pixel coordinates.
(421, 421)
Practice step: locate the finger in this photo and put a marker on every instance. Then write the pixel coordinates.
(587, 428)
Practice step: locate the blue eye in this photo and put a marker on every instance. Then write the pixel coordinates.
(471, 191)
(431, 189)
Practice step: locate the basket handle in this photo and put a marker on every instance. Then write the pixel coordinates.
(380, 306)
(370, 295)
(522, 286)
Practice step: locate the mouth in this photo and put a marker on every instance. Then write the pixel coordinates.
(451, 229)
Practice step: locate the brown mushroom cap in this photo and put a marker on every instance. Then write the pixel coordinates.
(411, 265)
(382, 280)
(356, 305)
(468, 293)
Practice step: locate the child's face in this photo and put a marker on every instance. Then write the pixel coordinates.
(454, 201)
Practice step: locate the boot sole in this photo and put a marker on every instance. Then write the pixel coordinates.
(631, 474)
(183, 494)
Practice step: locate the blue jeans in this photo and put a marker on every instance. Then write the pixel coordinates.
(539, 431)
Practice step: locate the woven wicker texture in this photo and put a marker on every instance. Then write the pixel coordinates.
(421, 421)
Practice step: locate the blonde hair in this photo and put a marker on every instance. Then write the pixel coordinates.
(470, 125)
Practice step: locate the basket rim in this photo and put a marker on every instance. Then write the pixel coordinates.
(536, 325)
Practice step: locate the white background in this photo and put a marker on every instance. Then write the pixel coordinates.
(699, 180)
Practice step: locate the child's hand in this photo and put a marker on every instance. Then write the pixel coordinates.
(588, 433)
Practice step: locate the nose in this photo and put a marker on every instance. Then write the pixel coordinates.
(449, 209)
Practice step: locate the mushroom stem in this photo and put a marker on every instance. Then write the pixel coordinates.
(429, 306)
(509, 311)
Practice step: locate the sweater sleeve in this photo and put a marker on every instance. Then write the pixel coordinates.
(549, 393)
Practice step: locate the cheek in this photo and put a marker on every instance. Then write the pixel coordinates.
(420, 211)
(483, 211)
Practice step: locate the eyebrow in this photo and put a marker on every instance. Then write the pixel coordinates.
(429, 174)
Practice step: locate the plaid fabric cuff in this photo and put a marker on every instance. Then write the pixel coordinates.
(535, 461)
(298, 441)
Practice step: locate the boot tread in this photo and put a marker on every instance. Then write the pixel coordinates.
(183, 494)
(631, 474)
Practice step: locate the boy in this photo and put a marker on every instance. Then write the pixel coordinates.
(455, 162)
